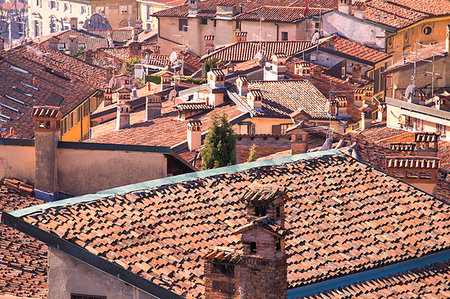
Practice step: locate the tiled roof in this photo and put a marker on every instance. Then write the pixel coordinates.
(412, 162)
(281, 98)
(342, 45)
(279, 13)
(165, 130)
(57, 84)
(244, 51)
(23, 260)
(193, 107)
(430, 281)
(344, 217)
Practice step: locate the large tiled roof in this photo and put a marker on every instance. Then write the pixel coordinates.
(23, 260)
(208, 8)
(61, 81)
(281, 98)
(432, 281)
(279, 13)
(344, 216)
(164, 130)
(244, 51)
(342, 45)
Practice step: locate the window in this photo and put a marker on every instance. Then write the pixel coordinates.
(149, 12)
(238, 25)
(66, 6)
(100, 10)
(149, 26)
(123, 9)
(204, 21)
(80, 296)
(61, 47)
(81, 46)
(215, 23)
(440, 128)
(278, 211)
(37, 28)
(427, 30)
(39, 3)
(52, 4)
(284, 35)
(182, 24)
(284, 127)
(84, 10)
(252, 247)
(278, 245)
(316, 26)
(246, 128)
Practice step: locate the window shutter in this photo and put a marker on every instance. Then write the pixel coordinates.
(276, 129)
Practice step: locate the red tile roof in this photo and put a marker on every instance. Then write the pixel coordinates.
(344, 216)
(244, 51)
(430, 281)
(23, 260)
(279, 14)
(342, 45)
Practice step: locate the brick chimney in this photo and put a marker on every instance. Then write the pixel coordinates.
(46, 126)
(242, 85)
(193, 7)
(359, 9)
(216, 78)
(426, 144)
(73, 22)
(302, 69)
(241, 36)
(299, 138)
(277, 69)
(366, 119)
(194, 134)
(254, 99)
(331, 105)
(342, 104)
(209, 43)
(152, 106)
(166, 80)
(107, 97)
(134, 50)
(344, 6)
(356, 71)
(73, 44)
(123, 115)
(421, 172)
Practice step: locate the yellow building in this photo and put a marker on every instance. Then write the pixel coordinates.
(146, 9)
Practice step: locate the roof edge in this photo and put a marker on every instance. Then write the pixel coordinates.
(170, 180)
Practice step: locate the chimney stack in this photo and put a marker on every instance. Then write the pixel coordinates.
(107, 97)
(344, 6)
(123, 115)
(359, 9)
(342, 106)
(73, 44)
(135, 50)
(46, 126)
(254, 99)
(166, 80)
(209, 43)
(241, 36)
(356, 71)
(194, 134)
(242, 85)
(427, 144)
(53, 43)
(193, 8)
(302, 69)
(421, 172)
(153, 106)
(366, 119)
(216, 78)
(299, 139)
(73, 23)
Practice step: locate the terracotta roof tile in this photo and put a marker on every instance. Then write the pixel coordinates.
(279, 13)
(344, 217)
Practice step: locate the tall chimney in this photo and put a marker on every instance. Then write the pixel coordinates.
(193, 7)
(299, 139)
(342, 104)
(153, 106)
(209, 43)
(241, 36)
(366, 119)
(73, 44)
(166, 80)
(359, 9)
(46, 126)
(194, 134)
(427, 144)
(73, 23)
(277, 68)
(254, 99)
(242, 85)
(344, 6)
(123, 115)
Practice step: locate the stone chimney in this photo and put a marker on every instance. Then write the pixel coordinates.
(302, 69)
(193, 7)
(241, 36)
(194, 134)
(216, 78)
(107, 97)
(254, 99)
(447, 39)
(427, 144)
(209, 43)
(242, 85)
(421, 172)
(123, 115)
(344, 6)
(166, 80)
(359, 8)
(73, 44)
(299, 138)
(73, 23)
(366, 119)
(46, 125)
(153, 106)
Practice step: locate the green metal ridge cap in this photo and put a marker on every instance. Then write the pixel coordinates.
(171, 180)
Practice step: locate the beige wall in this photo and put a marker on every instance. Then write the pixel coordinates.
(116, 18)
(87, 171)
(17, 162)
(268, 31)
(68, 276)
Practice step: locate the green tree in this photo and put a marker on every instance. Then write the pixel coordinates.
(208, 65)
(128, 65)
(252, 155)
(220, 144)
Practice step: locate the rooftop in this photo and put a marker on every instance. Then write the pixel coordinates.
(345, 217)
(279, 13)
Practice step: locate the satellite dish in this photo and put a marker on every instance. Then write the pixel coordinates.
(315, 38)
(258, 55)
(173, 57)
(409, 91)
(172, 94)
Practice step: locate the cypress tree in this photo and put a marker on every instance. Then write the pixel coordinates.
(252, 155)
(220, 144)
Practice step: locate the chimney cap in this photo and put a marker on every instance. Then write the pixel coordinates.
(208, 37)
(267, 224)
(426, 137)
(194, 123)
(46, 111)
(240, 33)
(242, 78)
(218, 72)
(256, 92)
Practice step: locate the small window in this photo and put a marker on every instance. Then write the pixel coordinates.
(84, 10)
(252, 247)
(38, 3)
(52, 4)
(316, 26)
(81, 46)
(427, 30)
(215, 23)
(80, 296)
(62, 47)
(183, 25)
(204, 21)
(66, 6)
(123, 9)
(238, 25)
(284, 36)
(100, 10)
(278, 211)
(278, 245)
(390, 42)
(284, 127)
(425, 175)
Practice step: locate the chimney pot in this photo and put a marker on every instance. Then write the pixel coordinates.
(242, 85)
(123, 115)
(255, 98)
(209, 43)
(344, 6)
(194, 134)
(153, 106)
(73, 23)
(241, 36)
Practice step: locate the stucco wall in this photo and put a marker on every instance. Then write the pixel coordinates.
(68, 276)
(17, 162)
(87, 171)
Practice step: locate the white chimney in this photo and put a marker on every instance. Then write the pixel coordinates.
(216, 78)
(242, 85)
(73, 23)
(359, 9)
(344, 6)
(194, 134)
(254, 99)
(123, 115)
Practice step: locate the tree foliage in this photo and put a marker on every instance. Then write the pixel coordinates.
(208, 65)
(128, 65)
(252, 155)
(220, 144)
